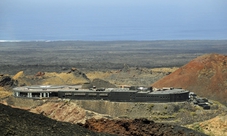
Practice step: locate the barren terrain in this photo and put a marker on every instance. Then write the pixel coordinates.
(108, 64)
(205, 75)
(22, 123)
(32, 57)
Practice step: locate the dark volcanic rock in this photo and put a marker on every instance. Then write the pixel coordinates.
(87, 86)
(6, 81)
(98, 83)
(78, 73)
(23, 123)
(138, 127)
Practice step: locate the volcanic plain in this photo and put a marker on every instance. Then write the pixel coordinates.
(199, 66)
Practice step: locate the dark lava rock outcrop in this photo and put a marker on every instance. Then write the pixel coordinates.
(7, 81)
(205, 75)
(98, 83)
(137, 127)
(23, 123)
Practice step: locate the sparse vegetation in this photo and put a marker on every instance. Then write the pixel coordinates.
(150, 106)
(198, 128)
(4, 93)
(163, 117)
(193, 114)
(124, 117)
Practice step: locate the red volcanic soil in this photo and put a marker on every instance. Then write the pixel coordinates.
(137, 127)
(205, 75)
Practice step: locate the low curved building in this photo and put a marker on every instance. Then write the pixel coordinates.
(111, 94)
(42, 91)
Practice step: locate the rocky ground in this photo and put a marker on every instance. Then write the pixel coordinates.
(137, 127)
(32, 57)
(131, 75)
(125, 76)
(71, 112)
(110, 64)
(23, 123)
(20, 122)
(215, 127)
(75, 112)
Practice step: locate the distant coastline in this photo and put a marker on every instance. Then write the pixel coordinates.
(2, 41)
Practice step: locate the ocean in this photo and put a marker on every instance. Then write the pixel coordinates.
(114, 33)
(173, 20)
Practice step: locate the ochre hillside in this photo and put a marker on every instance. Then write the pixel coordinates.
(52, 78)
(205, 75)
(214, 127)
(61, 111)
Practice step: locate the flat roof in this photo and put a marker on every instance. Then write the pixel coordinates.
(45, 88)
(172, 91)
(77, 88)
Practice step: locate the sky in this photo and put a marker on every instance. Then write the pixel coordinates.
(112, 20)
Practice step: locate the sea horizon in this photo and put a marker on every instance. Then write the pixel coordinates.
(112, 21)
(111, 40)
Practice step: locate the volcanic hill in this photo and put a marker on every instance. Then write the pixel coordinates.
(19, 122)
(205, 75)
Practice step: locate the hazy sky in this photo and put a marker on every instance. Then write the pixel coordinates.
(51, 18)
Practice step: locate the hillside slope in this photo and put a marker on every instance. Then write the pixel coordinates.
(205, 75)
(214, 127)
(53, 78)
(61, 111)
(138, 127)
(23, 123)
